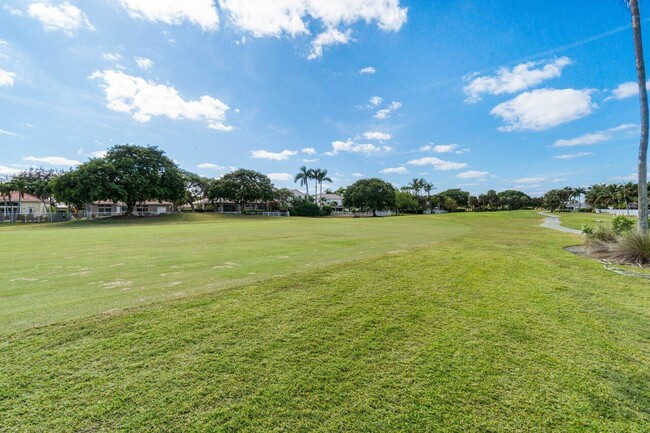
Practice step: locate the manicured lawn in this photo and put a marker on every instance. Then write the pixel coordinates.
(575, 220)
(64, 271)
(492, 328)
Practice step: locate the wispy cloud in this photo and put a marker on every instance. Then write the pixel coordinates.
(521, 77)
(273, 156)
(438, 164)
(597, 137)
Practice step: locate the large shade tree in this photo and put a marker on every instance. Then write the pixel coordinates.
(374, 194)
(242, 186)
(129, 174)
(643, 102)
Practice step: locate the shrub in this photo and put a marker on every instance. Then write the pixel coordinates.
(587, 230)
(582, 209)
(326, 210)
(303, 207)
(622, 224)
(632, 247)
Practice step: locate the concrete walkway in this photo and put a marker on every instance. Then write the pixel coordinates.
(553, 222)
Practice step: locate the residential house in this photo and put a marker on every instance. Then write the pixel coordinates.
(22, 204)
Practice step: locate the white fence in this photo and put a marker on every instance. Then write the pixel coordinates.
(382, 213)
(625, 212)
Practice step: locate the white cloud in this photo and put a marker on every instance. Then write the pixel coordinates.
(308, 150)
(472, 174)
(375, 101)
(543, 109)
(58, 161)
(13, 11)
(352, 147)
(596, 137)
(445, 148)
(626, 90)
(521, 77)
(144, 63)
(146, 99)
(426, 148)
(438, 164)
(309, 161)
(7, 78)
(395, 170)
(9, 133)
(386, 112)
(530, 180)
(629, 178)
(199, 12)
(376, 135)
(98, 154)
(274, 18)
(281, 177)
(210, 166)
(112, 57)
(8, 171)
(573, 155)
(65, 17)
(358, 175)
(281, 156)
(368, 70)
(328, 38)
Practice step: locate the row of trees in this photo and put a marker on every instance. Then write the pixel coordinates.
(598, 196)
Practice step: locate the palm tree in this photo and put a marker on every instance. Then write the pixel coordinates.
(313, 174)
(578, 193)
(428, 187)
(304, 176)
(416, 186)
(321, 176)
(643, 102)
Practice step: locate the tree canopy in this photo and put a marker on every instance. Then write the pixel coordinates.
(374, 194)
(128, 173)
(242, 186)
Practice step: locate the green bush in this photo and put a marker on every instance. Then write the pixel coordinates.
(305, 207)
(587, 230)
(585, 210)
(326, 210)
(622, 224)
(633, 247)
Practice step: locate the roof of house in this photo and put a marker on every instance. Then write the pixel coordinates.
(331, 197)
(297, 193)
(25, 197)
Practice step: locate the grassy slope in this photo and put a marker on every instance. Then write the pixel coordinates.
(64, 271)
(500, 331)
(575, 220)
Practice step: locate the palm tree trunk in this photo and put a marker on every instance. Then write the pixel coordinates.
(643, 100)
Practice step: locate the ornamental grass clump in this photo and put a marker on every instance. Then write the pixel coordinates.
(618, 242)
(632, 247)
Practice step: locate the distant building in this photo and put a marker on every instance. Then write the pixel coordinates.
(22, 204)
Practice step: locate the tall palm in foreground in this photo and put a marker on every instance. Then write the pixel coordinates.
(304, 176)
(643, 101)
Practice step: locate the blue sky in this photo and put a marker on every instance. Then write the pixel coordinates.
(485, 94)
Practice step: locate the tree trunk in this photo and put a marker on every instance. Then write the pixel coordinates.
(129, 209)
(643, 101)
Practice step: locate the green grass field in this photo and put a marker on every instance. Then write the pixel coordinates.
(463, 322)
(575, 220)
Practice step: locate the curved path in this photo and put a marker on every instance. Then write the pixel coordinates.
(553, 222)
